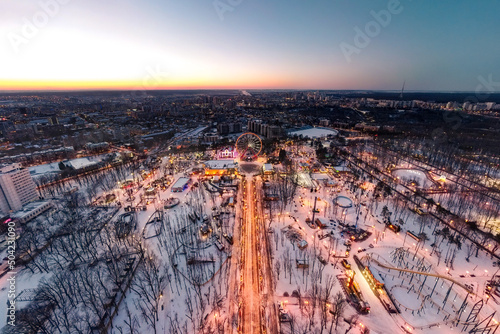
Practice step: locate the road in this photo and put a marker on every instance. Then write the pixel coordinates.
(268, 302)
(251, 321)
(251, 289)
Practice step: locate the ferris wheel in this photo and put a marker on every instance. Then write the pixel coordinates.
(248, 146)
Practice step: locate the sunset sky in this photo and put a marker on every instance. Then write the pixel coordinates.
(289, 44)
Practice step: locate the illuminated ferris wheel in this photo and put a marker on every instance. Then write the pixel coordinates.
(248, 146)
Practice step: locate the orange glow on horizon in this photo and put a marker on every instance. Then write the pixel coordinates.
(29, 85)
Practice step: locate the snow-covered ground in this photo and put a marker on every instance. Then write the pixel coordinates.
(194, 255)
(413, 175)
(435, 315)
(196, 273)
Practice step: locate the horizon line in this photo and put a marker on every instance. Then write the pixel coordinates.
(63, 90)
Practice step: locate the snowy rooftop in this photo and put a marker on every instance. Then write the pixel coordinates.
(342, 169)
(75, 163)
(220, 164)
(29, 208)
(180, 183)
(81, 163)
(44, 169)
(268, 167)
(320, 176)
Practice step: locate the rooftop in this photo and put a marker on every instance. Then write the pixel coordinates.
(221, 164)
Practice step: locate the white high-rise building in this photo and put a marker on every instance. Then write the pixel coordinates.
(16, 188)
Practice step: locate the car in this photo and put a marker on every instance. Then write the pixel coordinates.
(345, 264)
(281, 309)
(371, 246)
(229, 238)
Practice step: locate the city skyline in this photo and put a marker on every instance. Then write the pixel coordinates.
(377, 45)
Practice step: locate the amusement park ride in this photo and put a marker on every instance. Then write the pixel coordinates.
(248, 146)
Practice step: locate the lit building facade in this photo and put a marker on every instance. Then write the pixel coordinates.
(16, 188)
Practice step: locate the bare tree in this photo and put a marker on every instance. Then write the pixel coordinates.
(325, 302)
(285, 186)
(131, 323)
(338, 307)
(287, 263)
(149, 283)
(277, 267)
